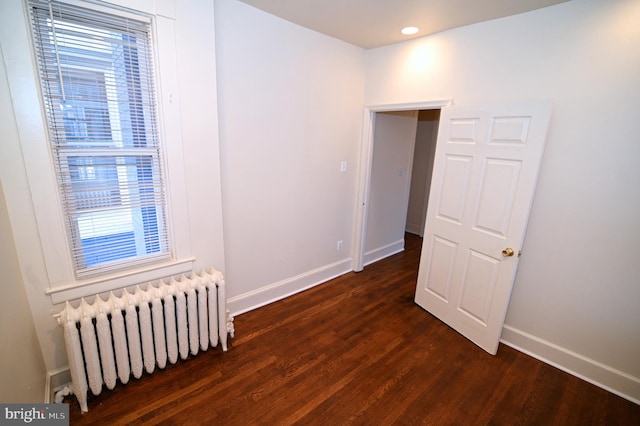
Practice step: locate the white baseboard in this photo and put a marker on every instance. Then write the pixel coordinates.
(384, 251)
(413, 228)
(55, 380)
(594, 372)
(47, 390)
(287, 287)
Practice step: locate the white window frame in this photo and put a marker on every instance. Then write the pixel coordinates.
(22, 74)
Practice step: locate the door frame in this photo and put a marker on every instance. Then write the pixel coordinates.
(366, 160)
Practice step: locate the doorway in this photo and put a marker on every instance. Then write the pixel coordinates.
(363, 253)
(486, 170)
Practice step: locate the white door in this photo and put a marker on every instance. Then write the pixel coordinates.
(484, 177)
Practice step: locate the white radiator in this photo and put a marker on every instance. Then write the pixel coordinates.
(123, 335)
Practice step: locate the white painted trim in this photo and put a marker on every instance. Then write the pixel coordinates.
(56, 379)
(118, 280)
(380, 253)
(273, 292)
(412, 228)
(366, 158)
(587, 369)
(409, 106)
(47, 390)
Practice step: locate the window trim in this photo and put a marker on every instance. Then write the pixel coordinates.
(126, 278)
(107, 83)
(22, 74)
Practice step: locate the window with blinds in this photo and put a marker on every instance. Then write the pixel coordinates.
(96, 72)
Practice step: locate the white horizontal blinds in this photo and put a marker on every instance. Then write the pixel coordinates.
(98, 86)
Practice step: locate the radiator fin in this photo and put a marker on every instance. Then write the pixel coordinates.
(170, 322)
(103, 328)
(146, 331)
(159, 337)
(133, 336)
(202, 316)
(192, 309)
(183, 332)
(120, 345)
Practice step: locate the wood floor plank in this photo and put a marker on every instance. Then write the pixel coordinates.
(356, 350)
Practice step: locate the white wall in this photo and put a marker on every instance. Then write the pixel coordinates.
(23, 371)
(196, 67)
(22, 376)
(393, 145)
(290, 103)
(576, 299)
(423, 155)
(196, 118)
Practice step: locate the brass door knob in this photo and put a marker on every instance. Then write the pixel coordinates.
(508, 252)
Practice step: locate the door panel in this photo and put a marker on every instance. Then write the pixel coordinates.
(455, 181)
(443, 255)
(480, 275)
(463, 130)
(497, 192)
(484, 176)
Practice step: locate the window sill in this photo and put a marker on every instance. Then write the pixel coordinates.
(106, 283)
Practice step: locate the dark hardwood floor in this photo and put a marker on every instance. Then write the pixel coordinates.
(356, 350)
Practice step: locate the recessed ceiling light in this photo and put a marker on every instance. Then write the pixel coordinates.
(409, 30)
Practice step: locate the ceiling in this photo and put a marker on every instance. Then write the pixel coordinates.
(375, 23)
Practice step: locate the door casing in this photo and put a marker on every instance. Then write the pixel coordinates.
(366, 159)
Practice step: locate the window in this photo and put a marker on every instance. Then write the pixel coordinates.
(97, 79)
